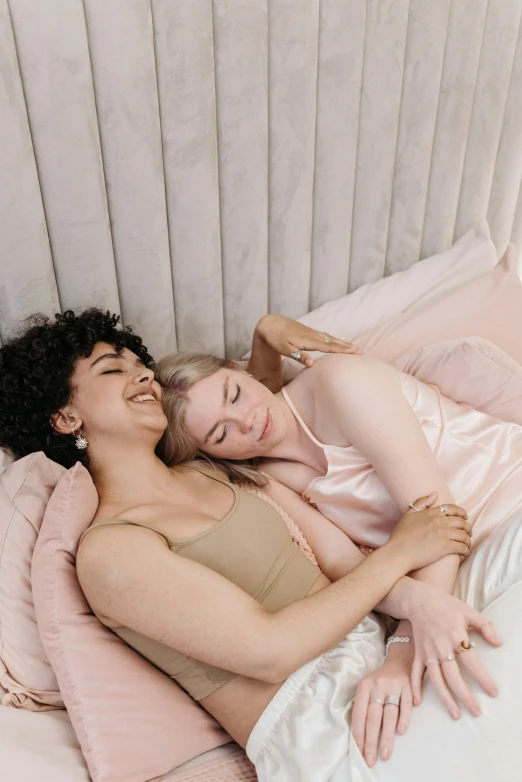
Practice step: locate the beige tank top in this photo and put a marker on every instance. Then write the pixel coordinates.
(251, 547)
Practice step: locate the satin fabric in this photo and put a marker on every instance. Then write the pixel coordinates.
(480, 457)
(304, 733)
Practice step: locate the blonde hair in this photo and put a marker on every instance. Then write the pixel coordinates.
(177, 374)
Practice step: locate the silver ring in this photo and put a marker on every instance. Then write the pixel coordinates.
(327, 337)
(450, 658)
(444, 509)
(432, 661)
(411, 505)
(296, 354)
(392, 700)
(377, 700)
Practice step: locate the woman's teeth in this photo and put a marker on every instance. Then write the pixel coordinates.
(143, 398)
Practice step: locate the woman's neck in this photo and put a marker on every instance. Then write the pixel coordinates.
(128, 475)
(297, 445)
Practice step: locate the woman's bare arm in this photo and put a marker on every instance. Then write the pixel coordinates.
(130, 576)
(336, 553)
(366, 402)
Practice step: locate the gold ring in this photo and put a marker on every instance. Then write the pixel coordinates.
(465, 646)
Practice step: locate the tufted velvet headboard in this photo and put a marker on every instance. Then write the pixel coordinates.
(195, 164)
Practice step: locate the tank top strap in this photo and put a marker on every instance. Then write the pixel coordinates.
(300, 420)
(211, 472)
(114, 522)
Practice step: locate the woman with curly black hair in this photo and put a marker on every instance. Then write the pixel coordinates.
(201, 577)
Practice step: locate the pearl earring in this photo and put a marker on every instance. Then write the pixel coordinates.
(81, 442)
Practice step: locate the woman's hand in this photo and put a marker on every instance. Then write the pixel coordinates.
(287, 336)
(440, 625)
(426, 534)
(372, 719)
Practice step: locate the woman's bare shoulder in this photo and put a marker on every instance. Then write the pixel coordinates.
(335, 371)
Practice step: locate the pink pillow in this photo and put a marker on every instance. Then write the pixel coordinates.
(132, 721)
(489, 306)
(25, 672)
(374, 304)
(472, 371)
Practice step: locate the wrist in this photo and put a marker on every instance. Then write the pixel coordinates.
(263, 324)
(397, 557)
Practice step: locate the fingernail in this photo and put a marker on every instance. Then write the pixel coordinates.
(476, 712)
(493, 693)
(369, 759)
(455, 715)
(385, 754)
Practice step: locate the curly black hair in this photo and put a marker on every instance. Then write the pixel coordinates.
(35, 377)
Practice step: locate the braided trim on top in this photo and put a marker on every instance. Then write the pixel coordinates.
(295, 533)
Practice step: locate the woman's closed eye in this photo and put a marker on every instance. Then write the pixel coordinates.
(218, 442)
(234, 400)
(111, 371)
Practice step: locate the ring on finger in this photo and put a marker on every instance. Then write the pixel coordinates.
(377, 700)
(327, 337)
(450, 658)
(411, 505)
(296, 354)
(465, 646)
(432, 661)
(444, 509)
(392, 700)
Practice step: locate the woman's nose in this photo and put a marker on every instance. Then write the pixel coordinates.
(145, 374)
(246, 422)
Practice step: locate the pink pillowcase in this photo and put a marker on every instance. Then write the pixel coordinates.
(132, 721)
(489, 306)
(375, 304)
(25, 672)
(472, 371)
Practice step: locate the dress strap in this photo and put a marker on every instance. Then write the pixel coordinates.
(300, 420)
(114, 522)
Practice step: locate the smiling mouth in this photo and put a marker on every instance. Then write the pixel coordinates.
(142, 399)
(269, 424)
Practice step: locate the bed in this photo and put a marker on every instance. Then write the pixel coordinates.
(193, 165)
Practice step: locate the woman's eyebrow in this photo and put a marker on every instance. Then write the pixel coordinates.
(106, 355)
(138, 362)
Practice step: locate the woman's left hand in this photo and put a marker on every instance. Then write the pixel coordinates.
(287, 337)
(372, 719)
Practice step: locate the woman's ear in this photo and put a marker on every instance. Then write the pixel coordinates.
(65, 421)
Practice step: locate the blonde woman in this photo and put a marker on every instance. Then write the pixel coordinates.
(355, 438)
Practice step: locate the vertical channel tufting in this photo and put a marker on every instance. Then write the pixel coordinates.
(122, 58)
(292, 51)
(491, 91)
(516, 233)
(185, 59)
(337, 122)
(27, 282)
(227, 157)
(384, 51)
(54, 62)
(420, 96)
(459, 75)
(508, 168)
(240, 52)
